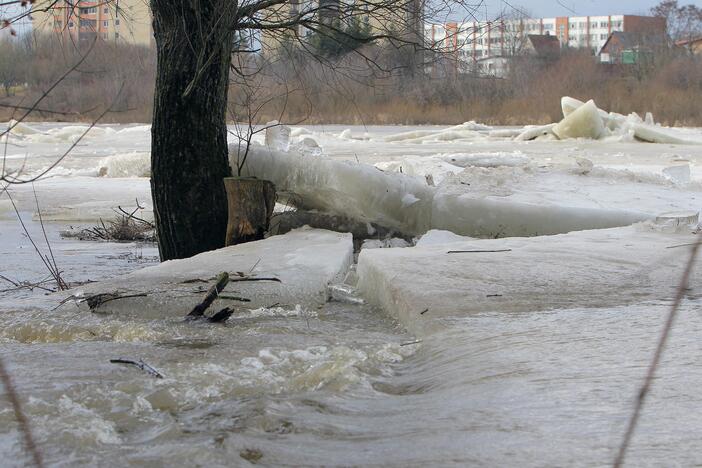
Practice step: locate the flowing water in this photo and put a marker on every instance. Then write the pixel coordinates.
(340, 385)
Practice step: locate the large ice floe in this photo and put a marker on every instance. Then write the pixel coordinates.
(448, 278)
(287, 270)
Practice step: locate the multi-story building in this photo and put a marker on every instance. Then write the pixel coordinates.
(474, 41)
(126, 21)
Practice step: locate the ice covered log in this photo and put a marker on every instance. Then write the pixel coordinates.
(410, 206)
(583, 122)
(344, 188)
(426, 286)
(496, 217)
(305, 261)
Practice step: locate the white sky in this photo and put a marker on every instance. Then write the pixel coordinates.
(551, 8)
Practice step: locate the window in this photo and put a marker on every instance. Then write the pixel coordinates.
(105, 10)
(87, 23)
(104, 23)
(603, 37)
(116, 35)
(604, 24)
(117, 22)
(70, 24)
(87, 11)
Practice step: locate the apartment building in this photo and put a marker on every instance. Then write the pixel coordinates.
(127, 21)
(474, 41)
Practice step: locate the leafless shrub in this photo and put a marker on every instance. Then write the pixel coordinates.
(125, 227)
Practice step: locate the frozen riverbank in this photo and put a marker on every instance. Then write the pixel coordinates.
(541, 373)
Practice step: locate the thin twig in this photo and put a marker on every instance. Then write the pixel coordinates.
(638, 406)
(20, 416)
(478, 251)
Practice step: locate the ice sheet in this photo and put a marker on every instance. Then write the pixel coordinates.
(305, 261)
(601, 268)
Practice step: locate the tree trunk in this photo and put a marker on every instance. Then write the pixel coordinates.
(251, 203)
(189, 134)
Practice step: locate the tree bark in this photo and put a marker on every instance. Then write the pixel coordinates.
(189, 134)
(251, 203)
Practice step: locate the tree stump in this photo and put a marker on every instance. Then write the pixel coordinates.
(250, 203)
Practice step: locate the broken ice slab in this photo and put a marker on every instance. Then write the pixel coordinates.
(583, 122)
(305, 262)
(425, 286)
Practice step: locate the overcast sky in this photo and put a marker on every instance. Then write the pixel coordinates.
(550, 8)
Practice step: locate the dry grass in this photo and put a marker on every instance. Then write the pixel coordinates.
(356, 94)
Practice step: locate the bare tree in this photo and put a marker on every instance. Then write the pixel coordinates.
(684, 22)
(195, 40)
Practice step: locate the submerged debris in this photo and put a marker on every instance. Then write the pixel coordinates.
(126, 226)
(140, 364)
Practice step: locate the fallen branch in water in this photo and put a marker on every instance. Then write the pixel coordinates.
(140, 364)
(97, 300)
(31, 285)
(409, 343)
(221, 316)
(235, 298)
(249, 278)
(212, 294)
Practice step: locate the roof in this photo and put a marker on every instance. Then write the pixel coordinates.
(686, 42)
(544, 44)
(630, 40)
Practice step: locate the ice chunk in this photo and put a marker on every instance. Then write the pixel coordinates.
(653, 134)
(584, 165)
(602, 268)
(505, 133)
(277, 136)
(136, 164)
(679, 174)
(300, 131)
(485, 159)
(584, 122)
(533, 132)
(305, 261)
(439, 237)
(466, 131)
(679, 218)
(570, 105)
(421, 166)
(21, 129)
